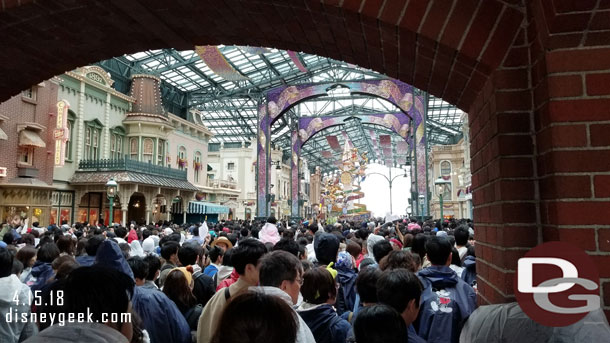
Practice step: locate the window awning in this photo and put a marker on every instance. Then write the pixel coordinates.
(196, 207)
(201, 207)
(31, 138)
(3, 135)
(215, 208)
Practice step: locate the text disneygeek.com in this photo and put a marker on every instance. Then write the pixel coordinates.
(14, 316)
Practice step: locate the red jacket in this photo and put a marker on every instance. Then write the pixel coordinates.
(228, 281)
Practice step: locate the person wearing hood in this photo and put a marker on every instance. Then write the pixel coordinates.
(136, 249)
(446, 300)
(11, 290)
(281, 275)
(319, 294)
(269, 232)
(371, 240)
(346, 277)
(469, 274)
(42, 271)
(160, 316)
(132, 236)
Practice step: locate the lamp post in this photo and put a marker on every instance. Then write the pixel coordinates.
(111, 188)
(441, 184)
(421, 206)
(390, 180)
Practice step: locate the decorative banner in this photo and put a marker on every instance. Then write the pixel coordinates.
(333, 142)
(262, 163)
(327, 154)
(61, 134)
(420, 145)
(387, 152)
(253, 50)
(216, 61)
(297, 62)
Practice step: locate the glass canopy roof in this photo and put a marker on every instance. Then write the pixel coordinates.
(228, 108)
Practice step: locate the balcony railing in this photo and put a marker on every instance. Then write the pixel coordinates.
(222, 184)
(126, 164)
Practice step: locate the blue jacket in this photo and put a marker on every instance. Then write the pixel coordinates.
(210, 270)
(85, 260)
(346, 298)
(469, 275)
(446, 302)
(160, 316)
(41, 273)
(325, 324)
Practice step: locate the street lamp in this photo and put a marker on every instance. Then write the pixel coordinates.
(111, 188)
(390, 180)
(421, 206)
(441, 184)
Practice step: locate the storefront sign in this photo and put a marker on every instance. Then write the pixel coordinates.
(61, 133)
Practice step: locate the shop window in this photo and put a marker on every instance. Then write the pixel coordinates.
(445, 168)
(29, 94)
(116, 143)
(197, 166)
(182, 163)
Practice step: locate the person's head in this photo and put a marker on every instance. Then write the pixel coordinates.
(154, 267)
(253, 317)
(353, 248)
(366, 284)
(139, 267)
(65, 244)
(380, 324)
(120, 232)
(27, 256)
(288, 245)
(17, 267)
(169, 251)
(398, 259)
(401, 289)
(381, 249)
(419, 245)
(178, 287)
(100, 291)
(319, 286)
(283, 270)
(326, 246)
(461, 236)
(216, 254)
(188, 254)
(439, 251)
(93, 243)
(47, 253)
(245, 258)
(271, 220)
(8, 238)
(6, 262)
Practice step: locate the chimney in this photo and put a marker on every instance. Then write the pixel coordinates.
(146, 89)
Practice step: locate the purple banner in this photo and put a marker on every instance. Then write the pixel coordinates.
(262, 151)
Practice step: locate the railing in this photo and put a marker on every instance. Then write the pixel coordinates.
(222, 184)
(126, 164)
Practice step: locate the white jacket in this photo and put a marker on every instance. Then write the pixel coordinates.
(304, 334)
(12, 328)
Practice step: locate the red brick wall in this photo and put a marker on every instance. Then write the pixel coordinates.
(19, 111)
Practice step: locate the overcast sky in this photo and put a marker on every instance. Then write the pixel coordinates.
(377, 191)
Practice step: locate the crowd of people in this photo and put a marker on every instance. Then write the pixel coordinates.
(238, 281)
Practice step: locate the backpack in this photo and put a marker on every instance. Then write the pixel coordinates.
(192, 315)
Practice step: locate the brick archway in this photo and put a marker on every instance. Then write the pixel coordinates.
(533, 76)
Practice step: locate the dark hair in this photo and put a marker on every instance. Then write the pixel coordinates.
(8, 238)
(215, 253)
(278, 266)
(408, 240)
(47, 253)
(419, 245)
(461, 235)
(380, 324)
(176, 288)
(471, 251)
(6, 262)
(455, 257)
(65, 267)
(187, 255)
(93, 243)
(398, 259)
(249, 251)
(326, 247)
(288, 245)
(353, 248)
(154, 264)
(17, 267)
(381, 249)
(318, 286)
(366, 284)
(271, 220)
(438, 250)
(65, 244)
(397, 287)
(125, 249)
(253, 317)
(138, 266)
(168, 249)
(97, 290)
(25, 254)
(28, 238)
(120, 232)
